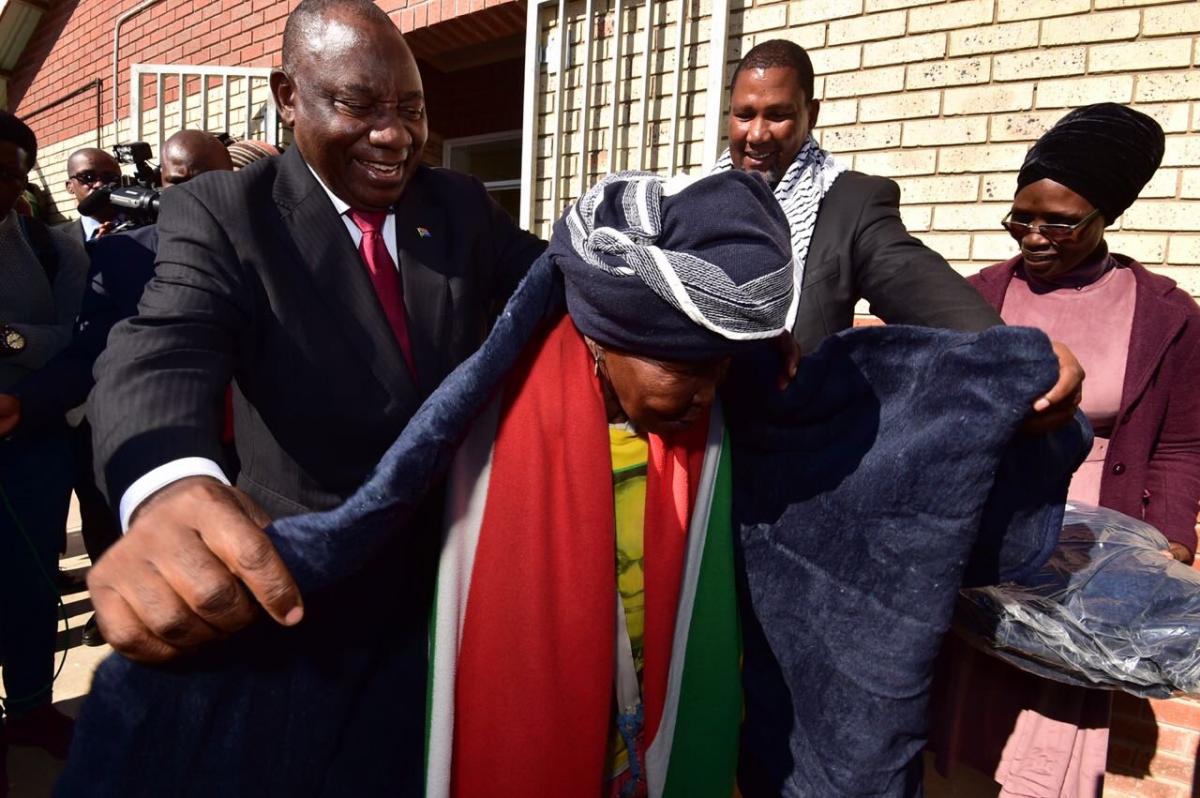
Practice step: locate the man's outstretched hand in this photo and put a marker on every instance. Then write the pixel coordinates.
(194, 566)
(1057, 407)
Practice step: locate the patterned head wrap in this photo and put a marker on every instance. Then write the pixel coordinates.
(682, 269)
(1105, 153)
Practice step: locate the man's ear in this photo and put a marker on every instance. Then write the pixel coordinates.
(283, 89)
(814, 110)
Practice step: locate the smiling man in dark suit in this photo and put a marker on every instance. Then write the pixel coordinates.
(335, 285)
(848, 239)
(848, 243)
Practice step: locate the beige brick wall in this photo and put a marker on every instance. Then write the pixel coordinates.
(945, 97)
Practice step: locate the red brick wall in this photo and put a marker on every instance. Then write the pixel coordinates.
(1154, 748)
(225, 32)
(73, 45)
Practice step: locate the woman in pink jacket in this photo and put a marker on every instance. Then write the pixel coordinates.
(1137, 336)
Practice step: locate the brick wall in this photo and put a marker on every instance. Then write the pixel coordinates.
(73, 45)
(413, 14)
(1153, 749)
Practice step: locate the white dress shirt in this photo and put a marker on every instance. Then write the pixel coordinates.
(158, 478)
(90, 226)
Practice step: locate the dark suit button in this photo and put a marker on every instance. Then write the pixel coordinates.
(1118, 469)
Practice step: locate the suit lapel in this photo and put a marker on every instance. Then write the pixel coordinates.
(422, 239)
(342, 284)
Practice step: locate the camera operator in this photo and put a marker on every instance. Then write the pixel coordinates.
(88, 170)
(122, 263)
(42, 273)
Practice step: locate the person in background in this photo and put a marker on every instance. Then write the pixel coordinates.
(1138, 336)
(121, 265)
(87, 170)
(847, 236)
(40, 285)
(192, 152)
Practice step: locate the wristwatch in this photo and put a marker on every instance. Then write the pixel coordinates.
(11, 341)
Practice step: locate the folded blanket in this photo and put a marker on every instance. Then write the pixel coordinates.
(858, 495)
(1109, 609)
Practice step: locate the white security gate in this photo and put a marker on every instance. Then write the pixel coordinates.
(612, 85)
(236, 100)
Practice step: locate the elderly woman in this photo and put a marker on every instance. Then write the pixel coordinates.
(593, 528)
(1138, 337)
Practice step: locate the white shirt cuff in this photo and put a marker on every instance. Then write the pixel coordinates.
(157, 479)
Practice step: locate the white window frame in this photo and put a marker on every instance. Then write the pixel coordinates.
(448, 146)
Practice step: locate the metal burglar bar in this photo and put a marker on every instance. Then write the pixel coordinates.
(564, 33)
(610, 35)
(244, 83)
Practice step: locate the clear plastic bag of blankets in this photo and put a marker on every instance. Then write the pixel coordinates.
(1110, 609)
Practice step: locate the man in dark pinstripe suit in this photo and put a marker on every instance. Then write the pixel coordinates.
(267, 277)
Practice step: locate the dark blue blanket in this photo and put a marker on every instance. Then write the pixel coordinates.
(889, 473)
(859, 492)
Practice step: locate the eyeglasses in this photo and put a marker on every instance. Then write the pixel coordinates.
(1054, 233)
(89, 176)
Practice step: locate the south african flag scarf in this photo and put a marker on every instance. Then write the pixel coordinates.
(523, 635)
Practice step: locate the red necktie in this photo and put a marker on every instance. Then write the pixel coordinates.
(385, 277)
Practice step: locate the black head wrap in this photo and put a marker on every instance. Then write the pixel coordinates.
(677, 269)
(1105, 153)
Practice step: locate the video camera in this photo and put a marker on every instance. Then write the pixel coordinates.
(137, 197)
